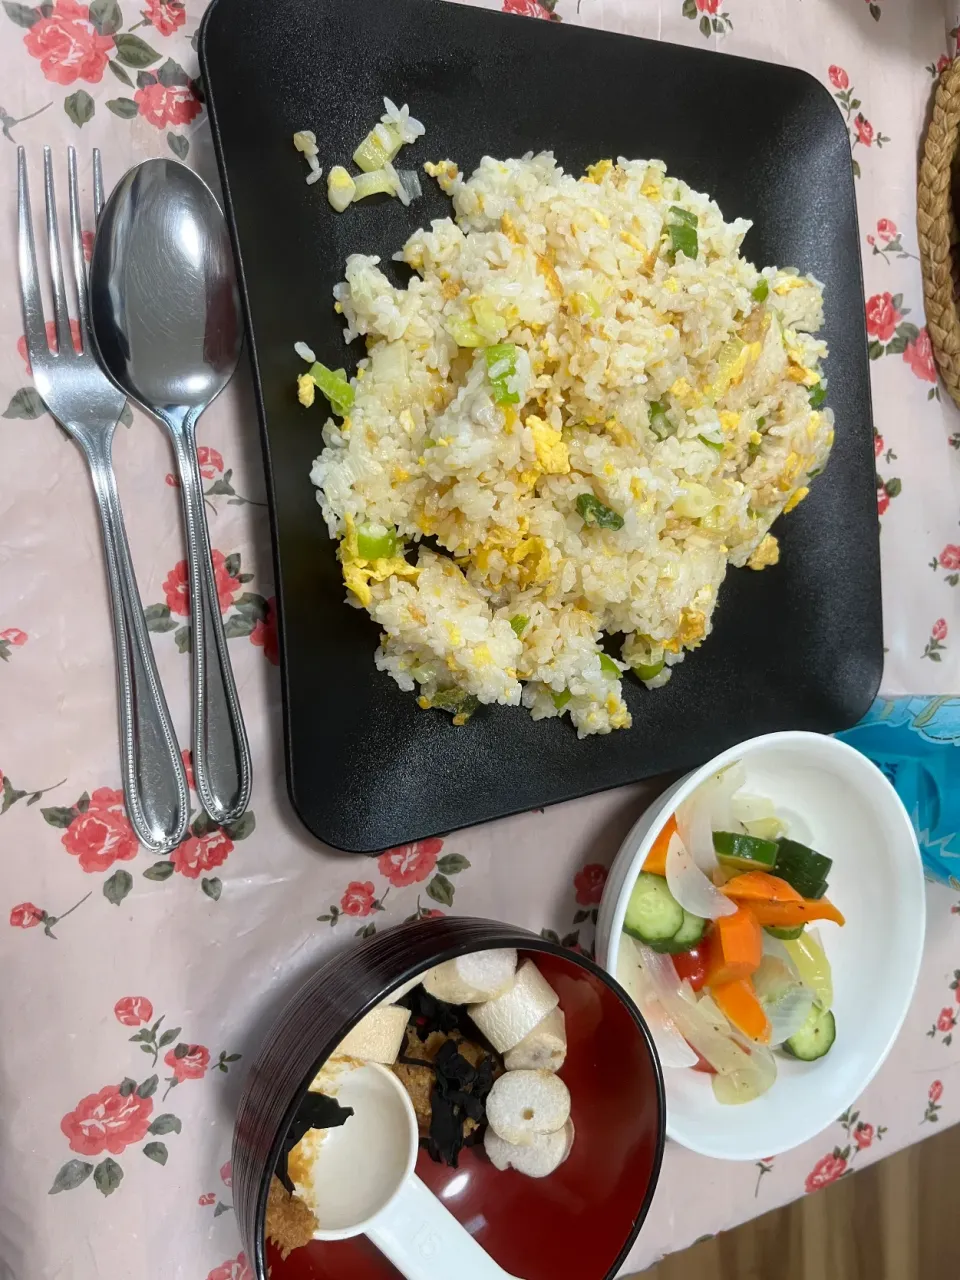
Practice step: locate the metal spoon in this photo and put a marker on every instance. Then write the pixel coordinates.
(166, 318)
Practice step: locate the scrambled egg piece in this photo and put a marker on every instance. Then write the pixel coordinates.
(796, 498)
(685, 394)
(693, 627)
(306, 389)
(766, 554)
(445, 172)
(358, 573)
(552, 453)
(549, 273)
(597, 172)
(729, 421)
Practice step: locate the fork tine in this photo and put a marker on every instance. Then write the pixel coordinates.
(76, 242)
(97, 184)
(30, 298)
(60, 311)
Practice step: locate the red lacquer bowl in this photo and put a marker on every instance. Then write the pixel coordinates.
(581, 1221)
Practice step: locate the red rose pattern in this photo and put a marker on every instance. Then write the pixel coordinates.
(187, 757)
(176, 586)
(264, 633)
(883, 501)
(107, 1121)
(210, 460)
(101, 836)
(26, 915)
(825, 1171)
(946, 1021)
(864, 130)
(207, 1199)
(226, 1173)
(886, 229)
(939, 629)
(882, 317)
(358, 898)
(68, 45)
(942, 63)
(589, 882)
(936, 1091)
(51, 328)
(950, 559)
(133, 1011)
(165, 16)
(526, 8)
(191, 1066)
(87, 238)
(877, 445)
(14, 636)
(163, 105)
(919, 356)
(839, 78)
(197, 854)
(708, 6)
(233, 1269)
(408, 863)
(863, 1136)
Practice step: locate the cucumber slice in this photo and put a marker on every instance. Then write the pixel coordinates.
(785, 935)
(803, 868)
(744, 853)
(815, 1038)
(653, 913)
(686, 937)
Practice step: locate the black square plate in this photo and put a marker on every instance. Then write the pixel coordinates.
(799, 646)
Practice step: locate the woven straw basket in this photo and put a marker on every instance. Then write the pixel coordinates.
(937, 228)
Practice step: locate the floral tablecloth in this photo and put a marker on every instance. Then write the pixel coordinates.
(135, 989)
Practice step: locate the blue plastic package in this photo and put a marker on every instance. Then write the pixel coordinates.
(915, 741)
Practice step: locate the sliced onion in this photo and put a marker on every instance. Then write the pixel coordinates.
(748, 808)
(786, 1001)
(650, 986)
(789, 1013)
(690, 886)
(410, 182)
(708, 810)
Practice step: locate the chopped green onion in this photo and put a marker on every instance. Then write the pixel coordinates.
(818, 393)
(378, 148)
(376, 541)
(659, 422)
(488, 319)
(461, 703)
(334, 386)
(761, 291)
(374, 183)
(713, 444)
(683, 239)
(684, 215)
(753, 449)
(501, 366)
(463, 332)
(609, 667)
(648, 670)
(519, 622)
(592, 511)
(560, 700)
(761, 423)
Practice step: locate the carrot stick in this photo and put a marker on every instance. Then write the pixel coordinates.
(787, 915)
(739, 1002)
(760, 886)
(656, 859)
(734, 947)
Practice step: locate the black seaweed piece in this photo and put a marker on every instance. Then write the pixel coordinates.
(430, 1014)
(316, 1111)
(453, 1102)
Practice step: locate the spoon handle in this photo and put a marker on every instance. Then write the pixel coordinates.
(221, 755)
(154, 782)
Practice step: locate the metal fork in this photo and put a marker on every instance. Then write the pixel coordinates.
(88, 407)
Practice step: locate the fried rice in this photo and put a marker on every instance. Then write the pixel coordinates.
(582, 409)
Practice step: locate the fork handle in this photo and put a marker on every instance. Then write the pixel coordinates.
(221, 754)
(154, 781)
